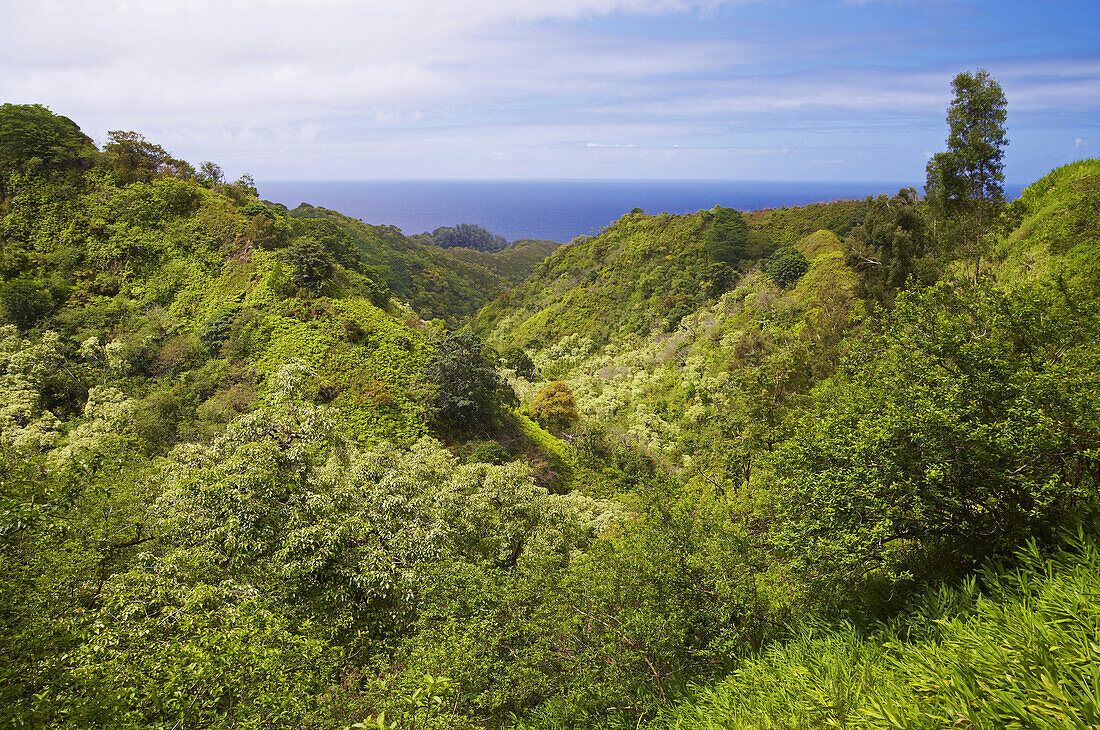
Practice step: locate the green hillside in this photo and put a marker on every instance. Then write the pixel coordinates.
(449, 284)
(515, 263)
(824, 419)
(1051, 229)
(645, 271)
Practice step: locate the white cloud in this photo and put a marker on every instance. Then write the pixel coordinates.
(415, 88)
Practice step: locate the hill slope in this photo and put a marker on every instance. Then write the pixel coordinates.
(647, 271)
(450, 284)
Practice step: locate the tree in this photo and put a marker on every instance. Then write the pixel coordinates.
(965, 428)
(468, 235)
(888, 246)
(469, 391)
(786, 266)
(32, 132)
(312, 263)
(967, 182)
(133, 158)
(727, 236)
(939, 175)
(210, 174)
(554, 406)
(517, 359)
(24, 302)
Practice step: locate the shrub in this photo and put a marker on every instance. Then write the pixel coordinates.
(24, 302)
(786, 266)
(554, 406)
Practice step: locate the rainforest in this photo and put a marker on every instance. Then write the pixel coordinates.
(826, 466)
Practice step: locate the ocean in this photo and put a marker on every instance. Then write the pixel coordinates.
(557, 210)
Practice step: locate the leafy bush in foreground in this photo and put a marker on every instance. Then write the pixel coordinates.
(1015, 648)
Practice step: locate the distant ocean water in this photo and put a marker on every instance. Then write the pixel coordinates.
(557, 210)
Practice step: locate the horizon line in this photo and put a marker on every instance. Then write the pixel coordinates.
(1008, 183)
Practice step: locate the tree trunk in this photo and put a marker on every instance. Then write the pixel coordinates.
(978, 246)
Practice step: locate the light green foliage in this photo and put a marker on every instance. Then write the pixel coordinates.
(1054, 227)
(185, 253)
(554, 406)
(166, 655)
(219, 506)
(106, 412)
(26, 374)
(285, 477)
(972, 427)
(725, 374)
(417, 709)
(787, 226)
(559, 461)
(1020, 652)
(362, 543)
(643, 271)
(41, 214)
(63, 535)
(811, 682)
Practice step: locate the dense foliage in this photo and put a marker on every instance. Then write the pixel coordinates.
(468, 392)
(449, 284)
(1003, 649)
(789, 468)
(468, 235)
(32, 136)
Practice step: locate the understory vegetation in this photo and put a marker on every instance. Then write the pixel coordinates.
(829, 466)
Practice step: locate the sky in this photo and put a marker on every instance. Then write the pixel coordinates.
(852, 90)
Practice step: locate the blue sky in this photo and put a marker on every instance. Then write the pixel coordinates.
(640, 89)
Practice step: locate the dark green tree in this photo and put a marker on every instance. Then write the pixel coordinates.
(889, 245)
(312, 264)
(468, 235)
(517, 359)
(337, 241)
(24, 301)
(785, 266)
(215, 332)
(469, 392)
(32, 132)
(727, 236)
(940, 183)
(720, 278)
(132, 158)
(967, 182)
